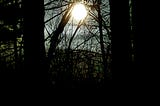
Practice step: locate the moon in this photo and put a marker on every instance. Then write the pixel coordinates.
(79, 11)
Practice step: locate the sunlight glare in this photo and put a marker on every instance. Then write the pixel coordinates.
(79, 12)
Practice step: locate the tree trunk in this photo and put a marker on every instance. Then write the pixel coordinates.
(34, 50)
(57, 32)
(146, 41)
(106, 73)
(120, 38)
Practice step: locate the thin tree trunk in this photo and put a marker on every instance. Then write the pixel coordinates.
(106, 74)
(54, 39)
(56, 33)
(16, 54)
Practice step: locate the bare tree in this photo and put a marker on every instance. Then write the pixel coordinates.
(92, 35)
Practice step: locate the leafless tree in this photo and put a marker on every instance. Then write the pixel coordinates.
(63, 32)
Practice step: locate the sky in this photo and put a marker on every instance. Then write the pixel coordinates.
(83, 33)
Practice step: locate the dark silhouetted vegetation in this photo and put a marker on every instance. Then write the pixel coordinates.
(43, 46)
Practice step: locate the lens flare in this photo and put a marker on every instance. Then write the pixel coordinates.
(79, 12)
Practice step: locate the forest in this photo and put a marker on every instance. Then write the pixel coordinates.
(44, 44)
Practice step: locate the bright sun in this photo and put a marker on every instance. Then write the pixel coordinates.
(79, 12)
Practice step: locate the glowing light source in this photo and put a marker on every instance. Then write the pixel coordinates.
(79, 12)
